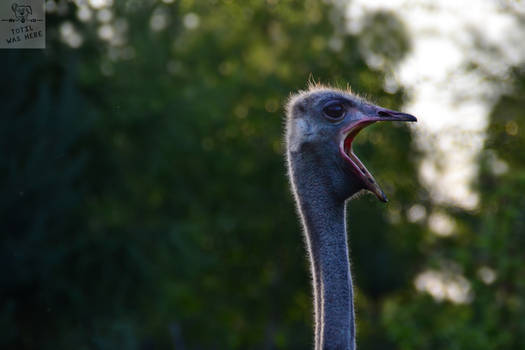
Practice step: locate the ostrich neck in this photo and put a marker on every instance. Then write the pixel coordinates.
(323, 218)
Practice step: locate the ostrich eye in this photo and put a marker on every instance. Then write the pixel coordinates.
(334, 111)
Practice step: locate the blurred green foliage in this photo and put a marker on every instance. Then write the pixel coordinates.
(145, 204)
(488, 250)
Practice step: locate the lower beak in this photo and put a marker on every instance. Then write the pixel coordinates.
(388, 115)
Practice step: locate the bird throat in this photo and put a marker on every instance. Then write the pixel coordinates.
(325, 229)
(324, 222)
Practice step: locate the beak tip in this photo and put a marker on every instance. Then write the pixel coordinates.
(381, 196)
(408, 118)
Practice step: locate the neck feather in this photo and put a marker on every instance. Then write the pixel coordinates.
(323, 218)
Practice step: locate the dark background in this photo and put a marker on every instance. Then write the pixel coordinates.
(144, 202)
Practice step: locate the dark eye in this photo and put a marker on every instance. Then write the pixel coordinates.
(334, 110)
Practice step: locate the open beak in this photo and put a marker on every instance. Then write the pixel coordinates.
(370, 115)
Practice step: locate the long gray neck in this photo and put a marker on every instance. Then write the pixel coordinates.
(323, 218)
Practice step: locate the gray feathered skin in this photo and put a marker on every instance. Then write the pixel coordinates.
(322, 181)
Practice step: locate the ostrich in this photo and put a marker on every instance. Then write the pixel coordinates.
(321, 124)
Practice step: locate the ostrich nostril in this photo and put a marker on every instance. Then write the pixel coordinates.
(384, 114)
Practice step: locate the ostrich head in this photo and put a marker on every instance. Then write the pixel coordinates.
(321, 125)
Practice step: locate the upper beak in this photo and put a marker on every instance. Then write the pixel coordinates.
(382, 114)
